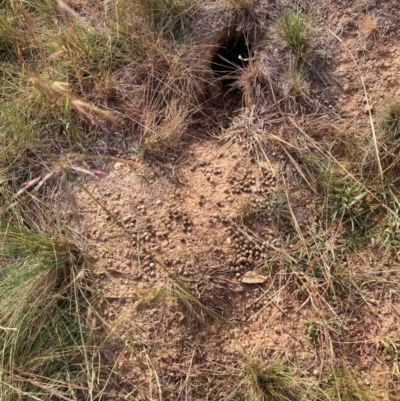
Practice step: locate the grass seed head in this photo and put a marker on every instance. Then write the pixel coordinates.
(368, 25)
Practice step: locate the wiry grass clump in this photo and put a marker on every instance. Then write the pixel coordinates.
(161, 105)
(43, 336)
(297, 84)
(273, 383)
(368, 26)
(348, 385)
(351, 204)
(297, 31)
(163, 17)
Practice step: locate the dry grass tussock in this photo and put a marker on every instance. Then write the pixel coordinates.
(161, 96)
(368, 25)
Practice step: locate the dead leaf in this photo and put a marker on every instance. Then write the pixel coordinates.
(253, 278)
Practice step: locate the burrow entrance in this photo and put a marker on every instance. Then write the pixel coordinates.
(228, 53)
(230, 56)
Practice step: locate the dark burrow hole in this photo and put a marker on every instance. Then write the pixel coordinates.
(227, 64)
(229, 59)
(232, 50)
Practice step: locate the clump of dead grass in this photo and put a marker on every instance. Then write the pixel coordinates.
(259, 82)
(368, 25)
(274, 382)
(348, 385)
(44, 335)
(160, 105)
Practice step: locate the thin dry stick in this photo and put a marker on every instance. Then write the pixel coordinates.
(296, 223)
(296, 166)
(185, 386)
(271, 301)
(265, 155)
(157, 378)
